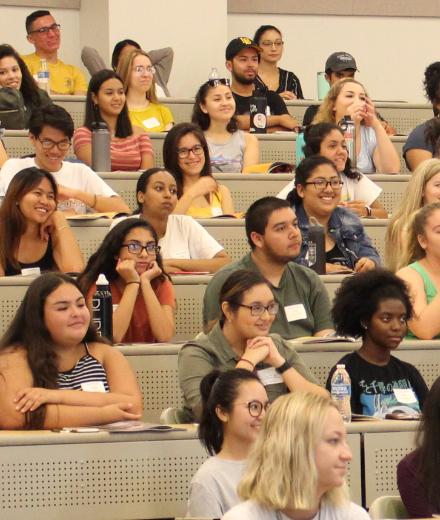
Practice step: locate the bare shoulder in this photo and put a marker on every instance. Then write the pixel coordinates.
(410, 275)
(103, 352)
(224, 189)
(250, 139)
(13, 357)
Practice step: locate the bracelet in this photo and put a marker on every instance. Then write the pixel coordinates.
(285, 366)
(128, 283)
(62, 227)
(247, 361)
(369, 211)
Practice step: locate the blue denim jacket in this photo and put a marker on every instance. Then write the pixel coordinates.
(347, 231)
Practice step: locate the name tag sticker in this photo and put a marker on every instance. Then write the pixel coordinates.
(269, 376)
(295, 312)
(150, 122)
(405, 395)
(93, 386)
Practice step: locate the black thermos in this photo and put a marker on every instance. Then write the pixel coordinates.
(103, 308)
(316, 246)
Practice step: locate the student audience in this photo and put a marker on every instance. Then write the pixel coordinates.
(230, 149)
(55, 370)
(317, 194)
(374, 149)
(298, 466)
(417, 472)
(79, 188)
(185, 244)
(186, 156)
(33, 233)
(130, 147)
(142, 294)
(275, 240)
(283, 82)
(241, 339)
(44, 33)
(376, 306)
(233, 405)
(18, 92)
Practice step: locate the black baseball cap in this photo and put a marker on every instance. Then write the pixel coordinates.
(238, 44)
(340, 61)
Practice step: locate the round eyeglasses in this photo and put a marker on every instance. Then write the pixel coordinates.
(136, 249)
(257, 309)
(255, 407)
(140, 69)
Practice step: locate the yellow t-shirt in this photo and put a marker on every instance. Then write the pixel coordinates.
(64, 79)
(154, 118)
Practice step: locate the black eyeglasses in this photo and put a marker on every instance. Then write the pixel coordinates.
(136, 249)
(215, 82)
(256, 407)
(55, 27)
(183, 153)
(321, 184)
(257, 309)
(48, 144)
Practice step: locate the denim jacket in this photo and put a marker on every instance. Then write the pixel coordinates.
(347, 231)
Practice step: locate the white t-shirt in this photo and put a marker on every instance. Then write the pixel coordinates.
(184, 239)
(76, 176)
(250, 510)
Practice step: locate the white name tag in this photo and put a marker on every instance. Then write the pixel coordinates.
(269, 376)
(405, 395)
(295, 312)
(31, 271)
(216, 212)
(150, 122)
(93, 386)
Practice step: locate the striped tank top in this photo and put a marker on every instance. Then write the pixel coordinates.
(87, 371)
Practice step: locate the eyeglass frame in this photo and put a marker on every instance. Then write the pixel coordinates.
(272, 43)
(66, 142)
(215, 82)
(263, 406)
(150, 245)
(140, 69)
(55, 27)
(338, 184)
(187, 151)
(264, 307)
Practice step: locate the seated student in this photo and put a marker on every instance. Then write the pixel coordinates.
(186, 156)
(230, 149)
(417, 472)
(241, 339)
(19, 91)
(374, 149)
(298, 466)
(376, 307)
(45, 35)
(143, 296)
(55, 370)
(137, 73)
(185, 244)
(32, 232)
(275, 240)
(421, 274)
(358, 193)
(283, 82)
(130, 147)
(234, 403)
(79, 187)
(423, 188)
(317, 194)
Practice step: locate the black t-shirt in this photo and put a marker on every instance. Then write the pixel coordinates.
(274, 102)
(287, 81)
(378, 390)
(309, 114)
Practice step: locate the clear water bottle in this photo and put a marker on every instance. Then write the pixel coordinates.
(214, 74)
(103, 308)
(316, 246)
(349, 130)
(257, 112)
(101, 161)
(341, 392)
(43, 76)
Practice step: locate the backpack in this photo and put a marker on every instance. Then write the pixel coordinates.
(12, 109)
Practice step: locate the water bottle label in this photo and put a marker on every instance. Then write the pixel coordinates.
(341, 390)
(311, 252)
(97, 322)
(259, 120)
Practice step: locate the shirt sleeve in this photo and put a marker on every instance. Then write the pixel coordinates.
(145, 145)
(202, 503)
(81, 137)
(6, 174)
(79, 80)
(201, 244)
(419, 385)
(167, 115)
(411, 489)
(416, 139)
(276, 104)
(94, 184)
(165, 294)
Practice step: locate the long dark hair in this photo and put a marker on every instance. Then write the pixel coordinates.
(93, 114)
(28, 330)
(119, 47)
(202, 119)
(170, 146)
(219, 389)
(106, 257)
(12, 221)
(28, 87)
(262, 29)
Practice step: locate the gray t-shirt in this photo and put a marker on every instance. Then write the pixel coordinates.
(213, 489)
(365, 162)
(227, 157)
(416, 140)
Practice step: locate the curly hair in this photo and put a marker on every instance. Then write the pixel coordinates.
(431, 83)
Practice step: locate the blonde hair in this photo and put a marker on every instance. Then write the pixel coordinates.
(412, 200)
(281, 471)
(326, 112)
(125, 67)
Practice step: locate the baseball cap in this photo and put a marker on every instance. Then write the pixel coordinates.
(238, 44)
(340, 61)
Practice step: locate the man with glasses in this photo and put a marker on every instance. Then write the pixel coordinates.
(80, 189)
(44, 34)
(275, 240)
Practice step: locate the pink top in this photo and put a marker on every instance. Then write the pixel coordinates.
(126, 152)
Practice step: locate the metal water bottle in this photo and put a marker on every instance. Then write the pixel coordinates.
(316, 246)
(257, 112)
(100, 147)
(103, 308)
(349, 130)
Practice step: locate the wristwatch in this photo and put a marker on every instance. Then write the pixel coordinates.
(285, 366)
(369, 210)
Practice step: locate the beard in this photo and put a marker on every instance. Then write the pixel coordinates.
(275, 257)
(239, 78)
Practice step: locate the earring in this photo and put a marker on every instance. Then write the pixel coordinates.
(364, 326)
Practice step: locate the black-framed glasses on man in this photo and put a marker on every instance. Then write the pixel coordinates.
(55, 27)
(257, 309)
(48, 144)
(255, 407)
(321, 184)
(183, 153)
(136, 249)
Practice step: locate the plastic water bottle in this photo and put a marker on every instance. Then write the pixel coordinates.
(214, 73)
(257, 112)
(316, 246)
(103, 308)
(341, 392)
(349, 131)
(100, 147)
(43, 76)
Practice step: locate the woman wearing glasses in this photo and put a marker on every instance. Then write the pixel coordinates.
(241, 339)
(230, 149)
(317, 193)
(137, 73)
(283, 82)
(130, 147)
(233, 405)
(143, 296)
(186, 156)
